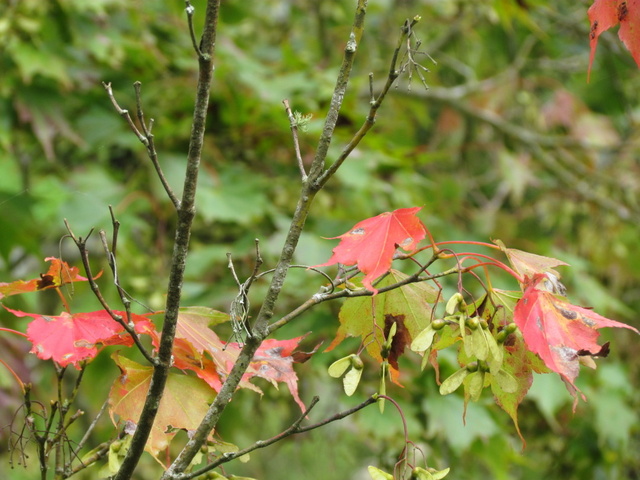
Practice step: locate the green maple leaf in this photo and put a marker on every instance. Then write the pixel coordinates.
(409, 307)
(520, 363)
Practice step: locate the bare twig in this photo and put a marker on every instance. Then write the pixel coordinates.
(294, 132)
(125, 114)
(145, 137)
(190, 10)
(84, 255)
(394, 72)
(93, 424)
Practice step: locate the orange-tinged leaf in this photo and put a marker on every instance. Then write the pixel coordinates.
(372, 243)
(69, 339)
(59, 273)
(184, 402)
(559, 332)
(199, 349)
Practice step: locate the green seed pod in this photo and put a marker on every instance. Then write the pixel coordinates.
(501, 336)
(356, 362)
(438, 324)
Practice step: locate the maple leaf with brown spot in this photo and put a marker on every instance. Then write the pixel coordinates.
(59, 273)
(274, 361)
(372, 243)
(371, 318)
(604, 14)
(559, 332)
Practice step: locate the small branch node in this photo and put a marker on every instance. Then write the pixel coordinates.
(293, 124)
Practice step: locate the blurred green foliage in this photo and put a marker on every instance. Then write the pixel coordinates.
(510, 142)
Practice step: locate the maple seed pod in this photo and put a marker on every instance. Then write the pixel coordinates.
(357, 363)
(483, 366)
(455, 304)
(472, 367)
(510, 328)
(501, 336)
(438, 324)
(473, 323)
(484, 324)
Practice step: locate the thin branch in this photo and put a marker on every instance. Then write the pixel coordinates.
(81, 244)
(124, 114)
(296, 145)
(294, 429)
(394, 72)
(190, 10)
(317, 167)
(93, 424)
(145, 137)
(151, 147)
(346, 293)
(256, 267)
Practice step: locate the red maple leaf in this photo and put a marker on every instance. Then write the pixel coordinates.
(199, 349)
(604, 14)
(558, 331)
(69, 339)
(274, 361)
(59, 273)
(372, 243)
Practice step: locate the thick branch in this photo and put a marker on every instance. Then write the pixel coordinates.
(186, 213)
